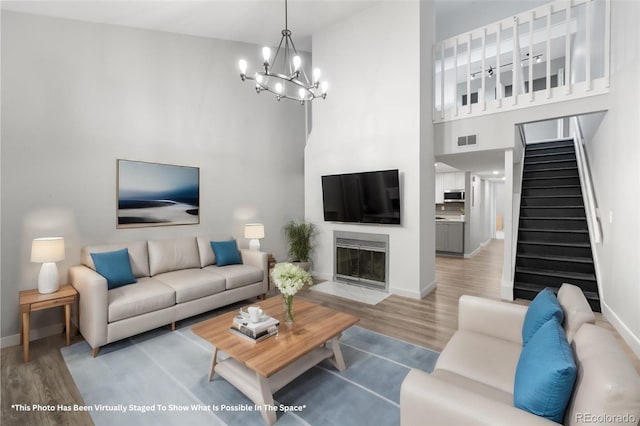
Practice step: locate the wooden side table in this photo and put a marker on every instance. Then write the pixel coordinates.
(32, 300)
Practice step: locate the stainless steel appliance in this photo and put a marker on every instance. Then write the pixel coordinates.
(454, 196)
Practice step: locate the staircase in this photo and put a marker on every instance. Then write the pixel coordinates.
(553, 238)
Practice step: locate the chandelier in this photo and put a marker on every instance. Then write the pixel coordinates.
(283, 76)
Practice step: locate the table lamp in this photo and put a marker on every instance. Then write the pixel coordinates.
(254, 231)
(47, 251)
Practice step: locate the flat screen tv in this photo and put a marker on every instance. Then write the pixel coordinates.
(367, 197)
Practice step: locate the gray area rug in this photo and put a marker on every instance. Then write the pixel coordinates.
(160, 378)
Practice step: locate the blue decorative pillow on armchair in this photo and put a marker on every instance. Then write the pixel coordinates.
(546, 373)
(541, 309)
(226, 252)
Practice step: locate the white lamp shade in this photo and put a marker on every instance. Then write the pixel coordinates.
(45, 250)
(254, 230)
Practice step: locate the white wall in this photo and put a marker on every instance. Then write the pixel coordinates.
(76, 96)
(373, 121)
(542, 130)
(613, 156)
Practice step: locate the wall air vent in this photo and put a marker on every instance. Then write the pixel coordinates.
(467, 140)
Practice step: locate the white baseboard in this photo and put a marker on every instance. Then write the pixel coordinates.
(473, 253)
(322, 275)
(506, 290)
(414, 294)
(632, 340)
(34, 334)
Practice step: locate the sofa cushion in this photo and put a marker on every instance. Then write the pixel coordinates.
(541, 309)
(226, 252)
(147, 295)
(546, 373)
(576, 309)
(115, 267)
(237, 275)
(473, 386)
(481, 358)
(207, 257)
(190, 284)
(173, 255)
(607, 383)
(138, 256)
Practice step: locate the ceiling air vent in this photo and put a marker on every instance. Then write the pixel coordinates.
(462, 140)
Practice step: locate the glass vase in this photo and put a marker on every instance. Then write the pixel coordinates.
(288, 309)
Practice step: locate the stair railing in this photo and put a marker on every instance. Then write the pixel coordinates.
(516, 202)
(588, 196)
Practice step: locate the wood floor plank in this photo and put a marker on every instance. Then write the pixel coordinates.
(429, 322)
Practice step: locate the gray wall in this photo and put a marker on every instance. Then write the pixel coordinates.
(77, 96)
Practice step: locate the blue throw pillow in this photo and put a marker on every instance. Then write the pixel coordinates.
(546, 373)
(226, 252)
(541, 309)
(115, 267)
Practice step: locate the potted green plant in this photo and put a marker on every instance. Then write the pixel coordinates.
(299, 236)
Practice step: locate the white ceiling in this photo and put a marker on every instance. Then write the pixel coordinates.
(250, 21)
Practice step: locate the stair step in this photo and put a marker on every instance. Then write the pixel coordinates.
(548, 178)
(554, 218)
(553, 207)
(556, 262)
(555, 186)
(544, 162)
(568, 231)
(553, 169)
(570, 259)
(556, 244)
(530, 166)
(551, 143)
(542, 154)
(559, 274)
(527, 291)
(551, 200)
(561, 247)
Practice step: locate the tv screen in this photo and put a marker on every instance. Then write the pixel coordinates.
(367, 197)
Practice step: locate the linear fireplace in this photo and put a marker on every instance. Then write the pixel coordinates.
(361, 259)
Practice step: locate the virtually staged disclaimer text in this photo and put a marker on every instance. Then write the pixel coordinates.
(124, 408)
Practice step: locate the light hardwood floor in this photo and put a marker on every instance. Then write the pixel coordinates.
(429, 322)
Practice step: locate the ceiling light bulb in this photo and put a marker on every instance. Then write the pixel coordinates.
(266, 53)
(301, 92)
(316, 75)
(537, 59)
(504, 178)
(296, 62)
(243, 66)
(278, 88)
(324, 86)
(495, 172)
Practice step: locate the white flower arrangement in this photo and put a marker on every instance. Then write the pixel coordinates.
(289, 278)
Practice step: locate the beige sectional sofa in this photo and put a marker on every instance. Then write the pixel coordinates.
(473, 379)
(176, 279)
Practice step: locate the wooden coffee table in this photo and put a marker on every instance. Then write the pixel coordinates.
(260, 369)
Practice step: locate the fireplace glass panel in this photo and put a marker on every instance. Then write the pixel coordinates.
(372, 265)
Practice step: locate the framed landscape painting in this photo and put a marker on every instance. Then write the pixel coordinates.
(152, 194)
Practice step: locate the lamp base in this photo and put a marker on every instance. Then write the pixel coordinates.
(48, 278)
(254, 245)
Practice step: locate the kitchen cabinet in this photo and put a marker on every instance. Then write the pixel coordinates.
(439, 188)
(450, 237)
(449, 181)
(459, 180)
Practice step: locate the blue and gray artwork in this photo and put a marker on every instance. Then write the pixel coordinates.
(152, 194)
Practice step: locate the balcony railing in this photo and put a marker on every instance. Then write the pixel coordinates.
(556, 52)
